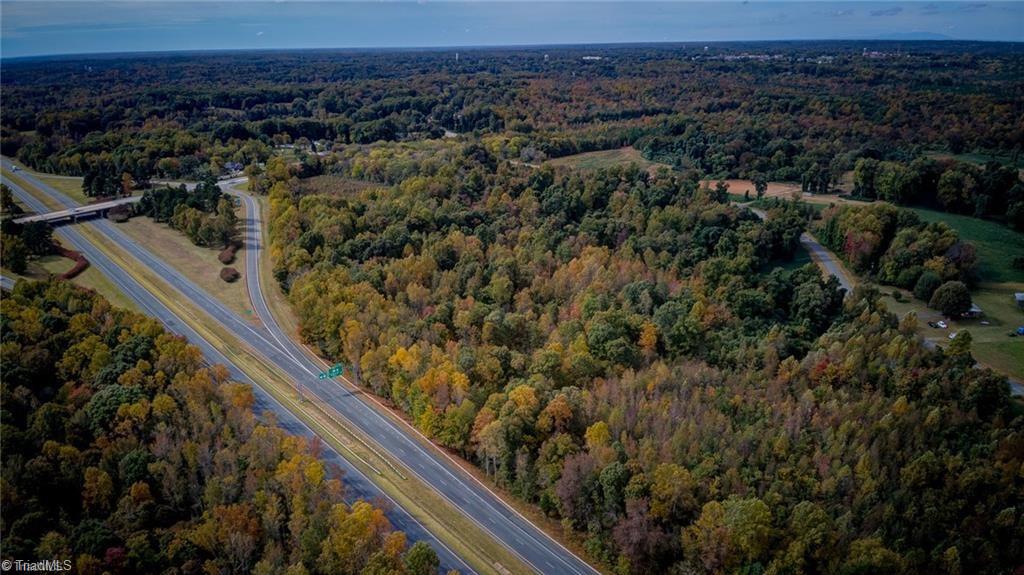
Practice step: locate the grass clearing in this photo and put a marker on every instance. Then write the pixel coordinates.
(992, 346)
(739, 187)
(41, 269)
(46, 200)
(198, 264)
(592, 161)
(977, 158)
(997, 244)
(70, 187)
(766, 204)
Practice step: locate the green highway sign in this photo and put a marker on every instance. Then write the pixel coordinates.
(335, 371)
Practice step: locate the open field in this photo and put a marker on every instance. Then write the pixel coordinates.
(69, 186)
(42, 268)
(606, 159)
(997, 244)
(783, 190)
(199, 264)
(775, 189)
(977, 158)
(992, 345)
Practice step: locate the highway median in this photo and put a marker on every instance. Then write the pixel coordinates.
(456, 530)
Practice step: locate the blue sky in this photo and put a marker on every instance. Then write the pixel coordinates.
(40, 27)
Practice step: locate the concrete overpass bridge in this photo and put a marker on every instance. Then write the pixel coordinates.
(72, 215)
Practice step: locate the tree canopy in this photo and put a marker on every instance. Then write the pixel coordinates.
(126, 453)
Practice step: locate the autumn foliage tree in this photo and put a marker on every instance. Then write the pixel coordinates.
(126, 453)
(623, 350)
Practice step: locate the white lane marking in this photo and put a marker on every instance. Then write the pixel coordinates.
(78, 241)
(386, 421)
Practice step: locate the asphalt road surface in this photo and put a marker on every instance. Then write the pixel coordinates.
(357, 485)
(431, 465)
(822, 256)
(827, 260)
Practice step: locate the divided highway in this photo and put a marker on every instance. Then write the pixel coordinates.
(73, 214)
(396, 438)
(357, 485)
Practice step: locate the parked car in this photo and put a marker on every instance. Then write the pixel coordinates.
(941, 324)
(933, 324)
(952, 335)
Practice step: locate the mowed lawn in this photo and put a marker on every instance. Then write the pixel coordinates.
(70, 186)
(977, 158)
(997, 244)
(42, 268)
(592, 161)
(198, 264)
(992, 344)
(67, 185)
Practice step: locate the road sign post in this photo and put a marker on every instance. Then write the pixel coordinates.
(334, 371)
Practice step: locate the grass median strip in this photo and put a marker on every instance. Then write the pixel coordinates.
(280, 308)
(455, 529)
(22, 183)
(459, 532)
(199, 264)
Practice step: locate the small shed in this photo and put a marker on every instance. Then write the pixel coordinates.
(974, 312)
(1020, 299)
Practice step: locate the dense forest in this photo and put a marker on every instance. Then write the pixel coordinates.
(625, 351)
(125, 453)
(804, 112)
(781, 109)
(625, 348)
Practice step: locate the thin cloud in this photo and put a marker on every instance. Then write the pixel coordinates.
(887, 11)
